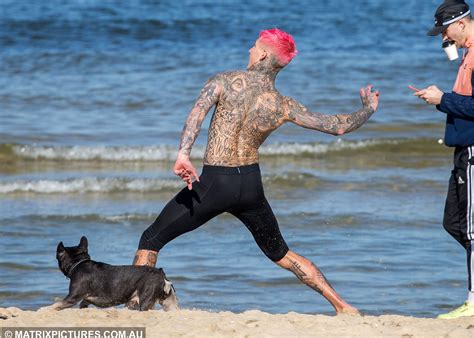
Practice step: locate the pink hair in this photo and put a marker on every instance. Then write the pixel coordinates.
(281, 43)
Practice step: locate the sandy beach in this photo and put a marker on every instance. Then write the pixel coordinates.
(197, 323)
(93, 99)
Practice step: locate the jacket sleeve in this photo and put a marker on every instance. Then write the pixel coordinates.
(457, 105)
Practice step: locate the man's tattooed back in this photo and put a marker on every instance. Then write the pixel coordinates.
(248, 110)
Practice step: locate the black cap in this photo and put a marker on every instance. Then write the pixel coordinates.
(448, 12)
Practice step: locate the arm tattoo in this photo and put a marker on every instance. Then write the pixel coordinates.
(332, 124)
(208, 98)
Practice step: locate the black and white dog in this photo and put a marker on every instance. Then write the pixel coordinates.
(105, 285)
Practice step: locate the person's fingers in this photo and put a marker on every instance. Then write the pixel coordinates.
(195, 175)
(426, 98)
(374, 93)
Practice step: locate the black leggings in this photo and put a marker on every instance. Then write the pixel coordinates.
(236, 190)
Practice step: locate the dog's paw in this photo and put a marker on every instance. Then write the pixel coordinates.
(52, 307)
(46, 308)
(132, 305)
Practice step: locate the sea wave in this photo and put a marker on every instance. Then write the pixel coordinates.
(168, 153)
(87, 218)
(89, 185)
(291, 180)
(97, 153)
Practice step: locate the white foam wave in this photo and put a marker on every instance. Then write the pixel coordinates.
(168, 153)
(319, 148)
(101, 153)
(90, 217)
(89, 185)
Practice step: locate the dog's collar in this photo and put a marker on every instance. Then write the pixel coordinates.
(75, 266)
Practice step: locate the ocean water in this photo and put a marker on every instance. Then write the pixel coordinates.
(93, 97)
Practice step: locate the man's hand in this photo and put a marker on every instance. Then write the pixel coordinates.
(369, 97)
(431, 95)
(184, 169)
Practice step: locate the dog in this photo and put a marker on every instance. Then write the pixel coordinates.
(104, 285)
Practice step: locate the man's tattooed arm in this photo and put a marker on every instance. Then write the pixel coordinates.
(207, 99)
(332, 124)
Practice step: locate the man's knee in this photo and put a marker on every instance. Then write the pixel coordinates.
(456, 230)
(285, 261)
(149, 241)
(276, 255)
(451, 226)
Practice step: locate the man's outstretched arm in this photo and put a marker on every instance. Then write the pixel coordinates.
(207, 99)
(333, 124)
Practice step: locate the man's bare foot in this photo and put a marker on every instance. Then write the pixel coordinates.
(349, 310)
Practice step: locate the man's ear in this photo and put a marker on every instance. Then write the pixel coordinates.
(263, 55)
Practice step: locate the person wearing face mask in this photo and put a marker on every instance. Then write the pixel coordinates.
(454, 22)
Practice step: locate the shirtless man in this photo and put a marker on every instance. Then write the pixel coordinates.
(248, 109)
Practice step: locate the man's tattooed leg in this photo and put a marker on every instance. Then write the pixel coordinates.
(145, 257)
(142, 257)
(298, 270)
(309, 274)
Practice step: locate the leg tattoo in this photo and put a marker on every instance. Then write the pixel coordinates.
(145, 257)
(310, 275)
(313, 283)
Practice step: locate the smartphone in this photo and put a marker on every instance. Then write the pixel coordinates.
(413, 88)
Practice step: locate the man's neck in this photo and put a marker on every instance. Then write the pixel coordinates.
(469, 37)
(265, 69)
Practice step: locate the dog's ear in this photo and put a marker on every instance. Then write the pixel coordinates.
(83, 243)
(60, 250)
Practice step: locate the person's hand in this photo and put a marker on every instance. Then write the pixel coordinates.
(184, 169)
(431, 95)
(369, 97)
